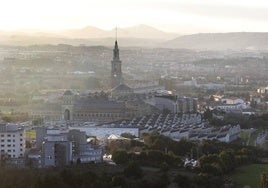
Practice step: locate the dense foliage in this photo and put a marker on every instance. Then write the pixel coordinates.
(158, 163)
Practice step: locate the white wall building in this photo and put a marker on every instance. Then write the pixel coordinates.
(103, 132)
(231, 107)
(234, 100)
(12, 141)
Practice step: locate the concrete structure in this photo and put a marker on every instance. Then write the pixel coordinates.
(174, 104)
(166, 103)
(40, 135)
(62, 148)
(56, 153)
(186, 105)
(82, 150)
(12, 141)
(88, 153)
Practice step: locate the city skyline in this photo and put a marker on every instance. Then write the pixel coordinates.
(179, 16)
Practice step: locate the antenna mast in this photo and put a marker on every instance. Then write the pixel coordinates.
(116, 33)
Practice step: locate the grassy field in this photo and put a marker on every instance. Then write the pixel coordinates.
(248, 176)
(254, 136)
(30, 134)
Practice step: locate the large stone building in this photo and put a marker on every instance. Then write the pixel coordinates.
(120, 103)
(98, 108)
(101, 107)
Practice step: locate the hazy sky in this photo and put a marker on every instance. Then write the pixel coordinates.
(182, 16)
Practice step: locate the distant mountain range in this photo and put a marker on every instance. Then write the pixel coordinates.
(138, 31)
(139, 36)
(221, 41)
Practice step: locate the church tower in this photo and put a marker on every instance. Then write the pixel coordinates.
(116, 72)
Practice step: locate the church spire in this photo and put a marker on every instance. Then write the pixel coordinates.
(116, 72)
(116, 49)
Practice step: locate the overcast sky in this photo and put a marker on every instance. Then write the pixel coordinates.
(184, 16)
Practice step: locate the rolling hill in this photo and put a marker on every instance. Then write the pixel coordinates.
(221, 41)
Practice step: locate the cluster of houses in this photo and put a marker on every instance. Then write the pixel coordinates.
(69, 144)
(178, 126)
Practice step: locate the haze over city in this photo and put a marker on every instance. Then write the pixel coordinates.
(180, 16)
(133, 93)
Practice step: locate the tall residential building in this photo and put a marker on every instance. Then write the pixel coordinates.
(56, 149)
(12, 141)
(57, 153)
(116, 71)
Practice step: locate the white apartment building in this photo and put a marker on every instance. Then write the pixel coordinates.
(12, 141)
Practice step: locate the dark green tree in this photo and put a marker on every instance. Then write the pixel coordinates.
(120, 157)
(133, 169)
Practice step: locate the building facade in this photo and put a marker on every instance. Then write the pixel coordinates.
(56, 153)
(12, 141)
(173, 104)
(62, 148)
